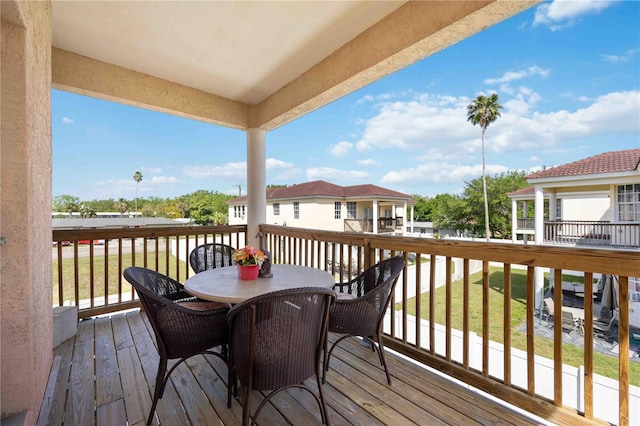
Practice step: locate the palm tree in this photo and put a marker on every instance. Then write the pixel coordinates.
(122, 206)
(484, 111)
(137, 177)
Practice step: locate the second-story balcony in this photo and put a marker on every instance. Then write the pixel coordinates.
(585, 233)
(385, 225)
(467, 309)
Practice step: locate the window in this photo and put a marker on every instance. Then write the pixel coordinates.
(239, 211)
(351, 210)
(276, 209)
(629, 203)
(367, 213)
(296, 210)
(558, 208)
(337, 210)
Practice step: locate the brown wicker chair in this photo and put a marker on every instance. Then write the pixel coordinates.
(361, 305)
(183, 325)
(210, 256)
(276, 343)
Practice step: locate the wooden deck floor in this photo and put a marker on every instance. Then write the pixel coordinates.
(105, 376)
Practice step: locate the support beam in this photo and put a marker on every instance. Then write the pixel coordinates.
(85, 76)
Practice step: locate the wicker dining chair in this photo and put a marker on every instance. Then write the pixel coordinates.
(183, 325)
(210, 256)
(276, 343)
(361, 305)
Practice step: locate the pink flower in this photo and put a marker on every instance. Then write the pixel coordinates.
(248, 256)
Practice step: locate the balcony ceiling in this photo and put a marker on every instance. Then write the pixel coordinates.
(251, 63)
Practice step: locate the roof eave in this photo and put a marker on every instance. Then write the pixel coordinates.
(593, 179)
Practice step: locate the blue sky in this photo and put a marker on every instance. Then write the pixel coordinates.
(567, 74)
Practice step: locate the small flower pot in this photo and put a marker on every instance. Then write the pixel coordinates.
(248, 272)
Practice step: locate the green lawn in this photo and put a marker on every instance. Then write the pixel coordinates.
(604, 365)
(114, 277)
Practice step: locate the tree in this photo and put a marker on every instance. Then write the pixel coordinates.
(422, 208)
(499, 204)
(202, 206)
(122, 206)
(484, 111)
(451, 212)
(65, 203)
(137, 176)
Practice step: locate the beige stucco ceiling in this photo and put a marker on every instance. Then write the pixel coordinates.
(250, 63)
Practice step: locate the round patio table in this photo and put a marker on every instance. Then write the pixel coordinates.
(223, 284)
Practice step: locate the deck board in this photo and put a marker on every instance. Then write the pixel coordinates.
(356, 390)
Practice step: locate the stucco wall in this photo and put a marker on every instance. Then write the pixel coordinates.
(315, 214)
(25, 205)
(593, 206)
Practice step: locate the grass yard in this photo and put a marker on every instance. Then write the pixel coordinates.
(573, 355)
(114, 278)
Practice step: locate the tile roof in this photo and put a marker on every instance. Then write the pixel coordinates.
(608, 162)
(320, 188)
(530, 190)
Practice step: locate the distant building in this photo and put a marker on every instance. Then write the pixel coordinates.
(330, 207)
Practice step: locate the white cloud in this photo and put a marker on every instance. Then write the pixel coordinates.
(367, 162)
(341, 149)
(335, 175)
(418, 122)
(436, 127)
(229, 170)
(67, 120)
(522, 102)
(273, 164)
(365, 98)
(510, 76)
(437, 172)
(280, 171)
(151, 170)
(162, 180)
(625, 57)
(561, 14)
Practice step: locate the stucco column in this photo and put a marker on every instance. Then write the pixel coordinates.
(25, 208)
(552, 206)
(256, 183)
(375, 216)
(404, 225)
(539, 239)
(514, 221)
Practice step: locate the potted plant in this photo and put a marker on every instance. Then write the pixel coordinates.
(248, 260)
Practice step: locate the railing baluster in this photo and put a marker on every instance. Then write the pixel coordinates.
(465, 314)
(531, 362)
(506, 325)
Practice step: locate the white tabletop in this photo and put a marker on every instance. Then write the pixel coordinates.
(223, 284)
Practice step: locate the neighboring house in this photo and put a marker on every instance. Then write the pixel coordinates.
(591, 202)
(323, 205)
(594, 201)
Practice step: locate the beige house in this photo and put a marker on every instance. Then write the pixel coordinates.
(323, 205)
(217, 62)
(590, 202)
